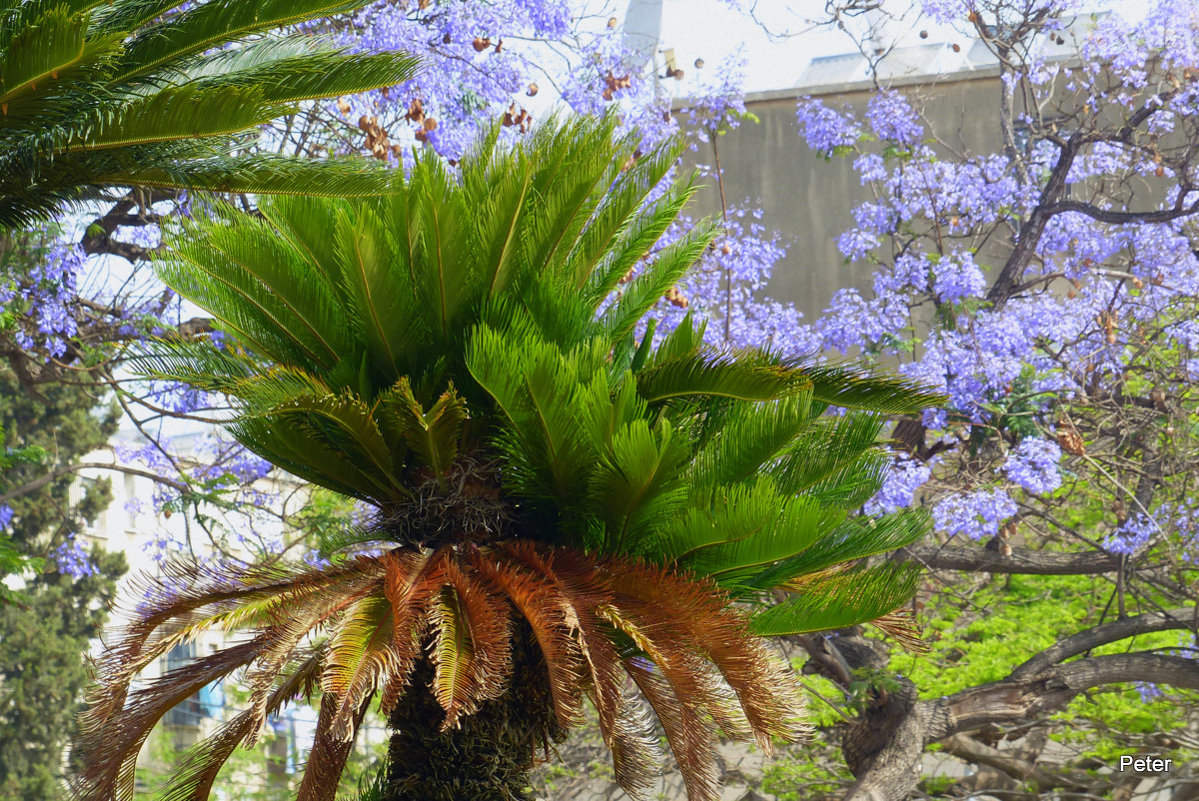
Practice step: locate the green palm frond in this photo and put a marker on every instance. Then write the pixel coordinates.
(263, 173)
(856, 538)
(711, 373)
(663, 272)
(797, 523)
(185, 112)
(432, 434)
(41, 49)
(839, 600)
(750, 438)
(639, 484)
(145, 93)
(843, 385)
(827, 448)
(207, 25)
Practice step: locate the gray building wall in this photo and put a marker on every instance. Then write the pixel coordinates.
(809, 199)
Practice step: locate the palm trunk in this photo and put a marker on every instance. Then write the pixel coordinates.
(488, 756)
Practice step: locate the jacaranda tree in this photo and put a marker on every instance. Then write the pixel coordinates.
(563, 509)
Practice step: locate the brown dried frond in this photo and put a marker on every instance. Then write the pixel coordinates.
(191, 596)
(489, 617)
(446, 614)
(585, 588)
(766, 687)
(542, 606)
(109, 743)
(360, 654)
(329, 753)
(686, 733)
(681, 696)
(413, 577)
(196, 772)
(472, 651)
(903, 626)
(109, 753)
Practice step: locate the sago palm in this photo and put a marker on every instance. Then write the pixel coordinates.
(565, 509)
(156, 93)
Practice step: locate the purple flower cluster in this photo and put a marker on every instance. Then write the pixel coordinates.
(824, 129)
(6, 515)
(1132, 536)
(481, 59)
(976, 514)
(892, 118)
(724, 288)
(73, 559)
(45, 298)
(1033, 464)
(903, 478)
(957, 277)
(717, 102)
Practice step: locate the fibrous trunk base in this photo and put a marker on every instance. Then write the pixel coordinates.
(488, 756)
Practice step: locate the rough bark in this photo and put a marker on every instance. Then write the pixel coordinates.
(488, 756)
(883, 746)
(1020, 561)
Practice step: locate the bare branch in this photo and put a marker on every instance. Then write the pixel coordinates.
(1044, 563)
(1010, 701)
(1106, 633)
(67, 469)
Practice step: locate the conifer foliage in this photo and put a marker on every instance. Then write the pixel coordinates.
(469, 357)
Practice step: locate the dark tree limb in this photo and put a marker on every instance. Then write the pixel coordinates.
(1020, 561)
(1010, 701)
(884, 744)
(59, 472)
(1106, 633)
(971, 750)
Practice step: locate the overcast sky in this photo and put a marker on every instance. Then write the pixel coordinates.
(711, 30)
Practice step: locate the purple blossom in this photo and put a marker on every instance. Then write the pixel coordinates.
(1132, 536)
(957, 277)
(903, 478)
(1033, 464)
(976, 514)
(6, 515)
(46, 296)
(825, 130)
(1148, 691)
(891, 117)
(73, 559)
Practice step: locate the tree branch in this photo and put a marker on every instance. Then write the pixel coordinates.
(1010, 701)
(59, 472)
(1021, 560)
(1106, 633)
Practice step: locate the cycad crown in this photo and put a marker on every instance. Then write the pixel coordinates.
(464, 356)
(146, 93)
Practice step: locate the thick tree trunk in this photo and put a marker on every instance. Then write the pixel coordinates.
(488, 756)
